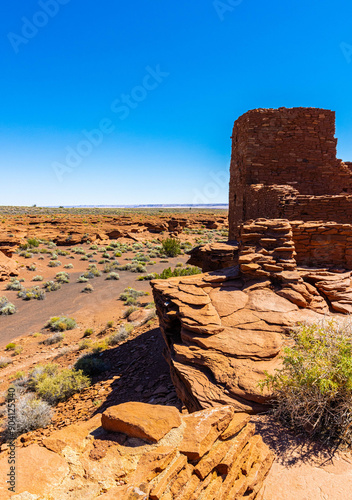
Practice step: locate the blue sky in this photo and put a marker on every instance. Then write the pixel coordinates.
(156, 86)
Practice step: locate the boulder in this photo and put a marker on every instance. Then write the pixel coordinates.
(8, 267)
(135, 419)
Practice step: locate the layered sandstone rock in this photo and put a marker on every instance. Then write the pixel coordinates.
(336, 287)
(225, 329)
(213, 453)
(8, 267)
(150, 422)
(214, 256)
(222, 333)
(209, 454)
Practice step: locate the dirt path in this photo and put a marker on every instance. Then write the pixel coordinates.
(90, 309)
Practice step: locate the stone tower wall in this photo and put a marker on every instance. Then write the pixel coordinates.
(284, 165)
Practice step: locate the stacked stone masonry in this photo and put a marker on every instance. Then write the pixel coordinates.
(313, 244)
(284, 165)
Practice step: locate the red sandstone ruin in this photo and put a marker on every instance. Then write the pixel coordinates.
(289, 259)
(284, 166)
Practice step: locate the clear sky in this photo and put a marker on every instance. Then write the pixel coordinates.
(111, 102)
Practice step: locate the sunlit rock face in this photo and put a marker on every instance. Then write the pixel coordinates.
(225, 329)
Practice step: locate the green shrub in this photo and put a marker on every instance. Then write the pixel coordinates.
(129, 311)
(171, 247)
(82, 279)
(88, 332)
(10, 347)
(131, 301)
(113, 276)
(54, 385)
(37, 278)
(151, 305)
(130, 296)
(62, 277)
(63, 252)
(118, 337)
(4, 361)
(138, 268)
(313, 390)
(17, 350)
(68, 266)
(141, 257)
(26, 255)
(92, 272)
(52, 286)
(31, 243)
(88, 289)
(186, 271)
(54, 339)
(14, 284)
(148, 277)
(99, 346)
(6, 307)
(110, 267)
(84, 344)
(32, 293)
(91, 365)
(54, 263)
(78, 251)
(60, 324)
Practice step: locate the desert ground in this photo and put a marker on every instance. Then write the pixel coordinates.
(46, 242)
(72, 241)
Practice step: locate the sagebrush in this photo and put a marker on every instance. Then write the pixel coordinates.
(313, 390)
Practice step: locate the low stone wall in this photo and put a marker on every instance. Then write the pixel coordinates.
(285, 202)
(318, 208)
(308, 243)
(320, 244)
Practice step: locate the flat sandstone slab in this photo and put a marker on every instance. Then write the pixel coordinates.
(151, 422)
